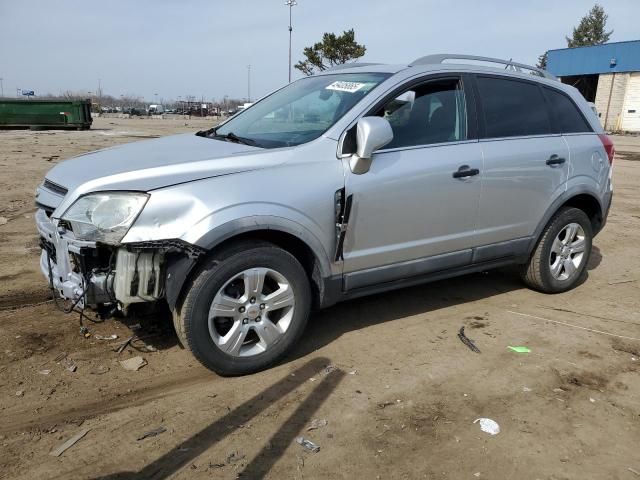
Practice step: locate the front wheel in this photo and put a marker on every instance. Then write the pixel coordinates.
(245, 309)
(562, 254)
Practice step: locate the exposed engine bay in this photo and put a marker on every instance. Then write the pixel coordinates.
(103, 277)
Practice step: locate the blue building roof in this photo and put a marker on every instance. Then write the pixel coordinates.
(606, 58)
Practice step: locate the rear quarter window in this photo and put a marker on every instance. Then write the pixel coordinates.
(512, 108)
(567, 117)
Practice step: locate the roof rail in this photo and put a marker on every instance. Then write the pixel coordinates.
(440, 58)
(343, 66)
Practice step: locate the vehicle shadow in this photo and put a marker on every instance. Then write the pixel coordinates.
(595, 259)
(327, 325)
(185, 452)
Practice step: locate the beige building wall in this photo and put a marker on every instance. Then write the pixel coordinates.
(610, 97)
(631, 109)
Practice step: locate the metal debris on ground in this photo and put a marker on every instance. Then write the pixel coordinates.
(329, 368)
(133, 364)
(44, 372)
(383, 405)
(307, 444)
(467, 341)
(152, 433)
(107, 337)
(70, 365)
(61, 356)
(69, 443)
(19, 393)
(124, 344)
(520, 349)
(317, 423)
(489, 426)
(84, 331)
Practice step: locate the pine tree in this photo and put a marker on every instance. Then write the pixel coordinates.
(591, 30)
(542, 61)
(332, 50)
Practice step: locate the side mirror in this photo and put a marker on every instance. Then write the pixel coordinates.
(372, 133)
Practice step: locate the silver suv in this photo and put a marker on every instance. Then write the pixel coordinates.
(358, 180)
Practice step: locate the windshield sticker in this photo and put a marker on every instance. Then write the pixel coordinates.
(341, 86)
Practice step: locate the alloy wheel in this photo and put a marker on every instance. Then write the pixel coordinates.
(251, 312)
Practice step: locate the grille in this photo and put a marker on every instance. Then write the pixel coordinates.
(55, 188)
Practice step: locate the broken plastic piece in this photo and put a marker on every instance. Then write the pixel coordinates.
(520, 349)
(134, 363)
(69, 443)
(106, 337)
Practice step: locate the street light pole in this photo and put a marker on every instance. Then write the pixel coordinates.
(249, 83)
(290, 4)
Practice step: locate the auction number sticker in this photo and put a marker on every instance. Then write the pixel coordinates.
(345, 86)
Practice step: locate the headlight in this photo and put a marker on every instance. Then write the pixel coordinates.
(104, 217)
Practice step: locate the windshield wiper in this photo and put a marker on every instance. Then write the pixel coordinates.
(232, 137)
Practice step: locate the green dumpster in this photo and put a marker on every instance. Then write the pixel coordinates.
(43, 114)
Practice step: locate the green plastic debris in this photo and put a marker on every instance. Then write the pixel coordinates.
(520, 349)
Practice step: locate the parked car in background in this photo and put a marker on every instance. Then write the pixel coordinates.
(355, 181)
(155, 110)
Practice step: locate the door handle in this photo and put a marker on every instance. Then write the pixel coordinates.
(555, 160)
(464, 171)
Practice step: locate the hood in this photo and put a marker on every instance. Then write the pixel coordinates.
(150, 164)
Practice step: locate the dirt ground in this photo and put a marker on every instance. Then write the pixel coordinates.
(398, 389)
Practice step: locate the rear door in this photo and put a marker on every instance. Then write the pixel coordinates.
(525, 162)
(587, 158)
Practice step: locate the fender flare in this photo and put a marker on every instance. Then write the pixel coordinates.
(179, 269)
(555, 206)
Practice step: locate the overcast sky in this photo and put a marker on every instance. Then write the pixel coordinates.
(203, 47)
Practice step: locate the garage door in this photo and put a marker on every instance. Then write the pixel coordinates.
(631, 110)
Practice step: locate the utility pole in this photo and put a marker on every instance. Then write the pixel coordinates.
(1, 88)
(248, 83)
(290, 4)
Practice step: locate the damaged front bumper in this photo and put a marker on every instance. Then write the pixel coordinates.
(96, 275)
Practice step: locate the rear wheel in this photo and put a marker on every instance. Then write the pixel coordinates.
(245, 309)
(562, 254)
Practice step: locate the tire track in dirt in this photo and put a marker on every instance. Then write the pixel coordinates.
(153, 389)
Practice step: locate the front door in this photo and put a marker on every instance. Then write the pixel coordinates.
(415, 210)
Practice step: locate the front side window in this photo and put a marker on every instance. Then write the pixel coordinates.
(432, 112)
(512, 108)
(301, 111)
(566, 115)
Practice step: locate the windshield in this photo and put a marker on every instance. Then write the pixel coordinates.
(299, 112)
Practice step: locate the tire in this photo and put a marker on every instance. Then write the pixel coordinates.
(269, 330)
(549, 269)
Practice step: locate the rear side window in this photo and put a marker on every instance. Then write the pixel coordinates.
(512, 108)
(567, 118)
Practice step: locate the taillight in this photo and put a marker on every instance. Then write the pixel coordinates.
(608, 146)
